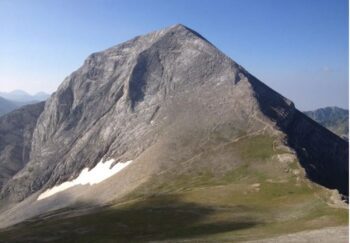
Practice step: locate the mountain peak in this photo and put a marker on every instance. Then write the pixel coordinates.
(180, 28)
(18, 92)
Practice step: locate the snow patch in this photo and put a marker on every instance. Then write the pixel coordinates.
(99, 173)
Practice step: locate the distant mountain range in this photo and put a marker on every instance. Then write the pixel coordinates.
(22, 96)
(333, 118)
(10, 101)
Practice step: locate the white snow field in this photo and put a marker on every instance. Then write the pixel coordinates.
(99, 173)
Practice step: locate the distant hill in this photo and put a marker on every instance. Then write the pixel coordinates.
(333, 118)
(24, 97)
(6, 106)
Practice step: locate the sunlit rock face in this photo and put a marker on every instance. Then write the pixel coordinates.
(125, 99)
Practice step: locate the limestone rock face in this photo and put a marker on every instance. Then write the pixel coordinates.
(169, 90)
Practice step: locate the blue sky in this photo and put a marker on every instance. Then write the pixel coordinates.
(297, 47)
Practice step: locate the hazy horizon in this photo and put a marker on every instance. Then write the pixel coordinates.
(298, 48)
(22, 90)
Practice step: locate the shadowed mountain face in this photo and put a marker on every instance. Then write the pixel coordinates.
(314, 145)
(334, 118)
(16, 130)
(161, 100)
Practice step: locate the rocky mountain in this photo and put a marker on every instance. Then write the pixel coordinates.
(333, 118)
(23, 97)
(6, 106)
(182, 121)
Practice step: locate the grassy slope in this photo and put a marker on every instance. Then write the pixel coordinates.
(259, 197)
